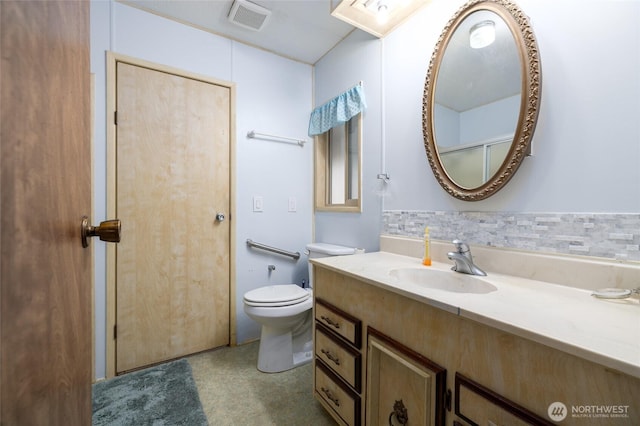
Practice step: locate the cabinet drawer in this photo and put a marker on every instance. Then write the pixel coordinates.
(339, 357)
(478, 404)
(339, 322)
(335, 394)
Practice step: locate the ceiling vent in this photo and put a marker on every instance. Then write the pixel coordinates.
(249, 15)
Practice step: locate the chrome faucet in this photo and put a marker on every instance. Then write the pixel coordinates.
(463, 259)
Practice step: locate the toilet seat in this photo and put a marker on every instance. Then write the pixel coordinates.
(276, 295)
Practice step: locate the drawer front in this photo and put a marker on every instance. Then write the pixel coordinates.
(338, 356)
(339, 322)
(343, 401)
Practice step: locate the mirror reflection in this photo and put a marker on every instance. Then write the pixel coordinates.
(477, 99)
(481, 98)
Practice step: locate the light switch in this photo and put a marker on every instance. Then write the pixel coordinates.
(293, 204)
(257, 203)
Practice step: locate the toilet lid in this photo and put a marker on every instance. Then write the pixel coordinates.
(277, 295)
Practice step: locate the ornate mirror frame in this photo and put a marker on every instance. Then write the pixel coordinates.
(531, 78)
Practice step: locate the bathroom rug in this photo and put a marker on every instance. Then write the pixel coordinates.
(164, 395)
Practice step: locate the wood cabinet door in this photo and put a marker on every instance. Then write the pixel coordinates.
(45, 184)
(403, 387)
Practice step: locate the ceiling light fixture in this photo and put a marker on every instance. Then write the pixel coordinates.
(482, 34)
(364, 14)
(383, 12)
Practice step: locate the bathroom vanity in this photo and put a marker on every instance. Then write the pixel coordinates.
(399, 343)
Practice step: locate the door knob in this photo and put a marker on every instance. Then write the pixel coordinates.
(109, 231)
(219, 217)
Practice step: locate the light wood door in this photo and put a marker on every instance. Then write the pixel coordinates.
(172, 264)
(45, 188)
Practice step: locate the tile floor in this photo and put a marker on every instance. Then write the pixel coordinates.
(234, 392)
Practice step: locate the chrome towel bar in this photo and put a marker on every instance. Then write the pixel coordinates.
(255, 135)
(294, 255)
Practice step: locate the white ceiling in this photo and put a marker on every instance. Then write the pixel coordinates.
(303, 30)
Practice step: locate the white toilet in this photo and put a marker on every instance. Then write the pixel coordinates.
(284, 311)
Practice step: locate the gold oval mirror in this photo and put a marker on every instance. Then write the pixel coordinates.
(481, 98)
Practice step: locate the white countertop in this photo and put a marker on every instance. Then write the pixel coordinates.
(565, 318)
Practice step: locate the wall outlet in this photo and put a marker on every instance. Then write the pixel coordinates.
(258, 203)
(293, 204)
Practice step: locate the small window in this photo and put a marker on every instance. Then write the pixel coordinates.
(338, 167)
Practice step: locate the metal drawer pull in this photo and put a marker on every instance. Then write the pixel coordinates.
(330, 321)
(333, 399)
(400, 411)
(336, 360)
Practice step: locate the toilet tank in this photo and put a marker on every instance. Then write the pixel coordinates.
(316, 250)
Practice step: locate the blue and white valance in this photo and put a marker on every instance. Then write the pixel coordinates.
(337, 111)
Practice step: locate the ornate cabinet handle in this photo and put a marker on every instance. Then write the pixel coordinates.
(326, 353)
(329, 395)
(400, 412)
(330, 321)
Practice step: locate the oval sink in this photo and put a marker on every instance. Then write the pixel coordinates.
(443, 280)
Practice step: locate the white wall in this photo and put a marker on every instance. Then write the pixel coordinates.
(479, 124)
(587, 142)
(273, 96)
(448, 133)
(357, 58)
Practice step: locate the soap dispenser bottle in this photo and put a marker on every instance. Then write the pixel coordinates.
(426, 259)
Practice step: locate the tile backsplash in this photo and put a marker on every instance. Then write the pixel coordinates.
(604, 235)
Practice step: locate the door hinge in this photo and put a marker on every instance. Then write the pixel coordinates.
(115, 117)
(115, 331)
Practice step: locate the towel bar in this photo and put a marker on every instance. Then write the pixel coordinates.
(255, 135)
